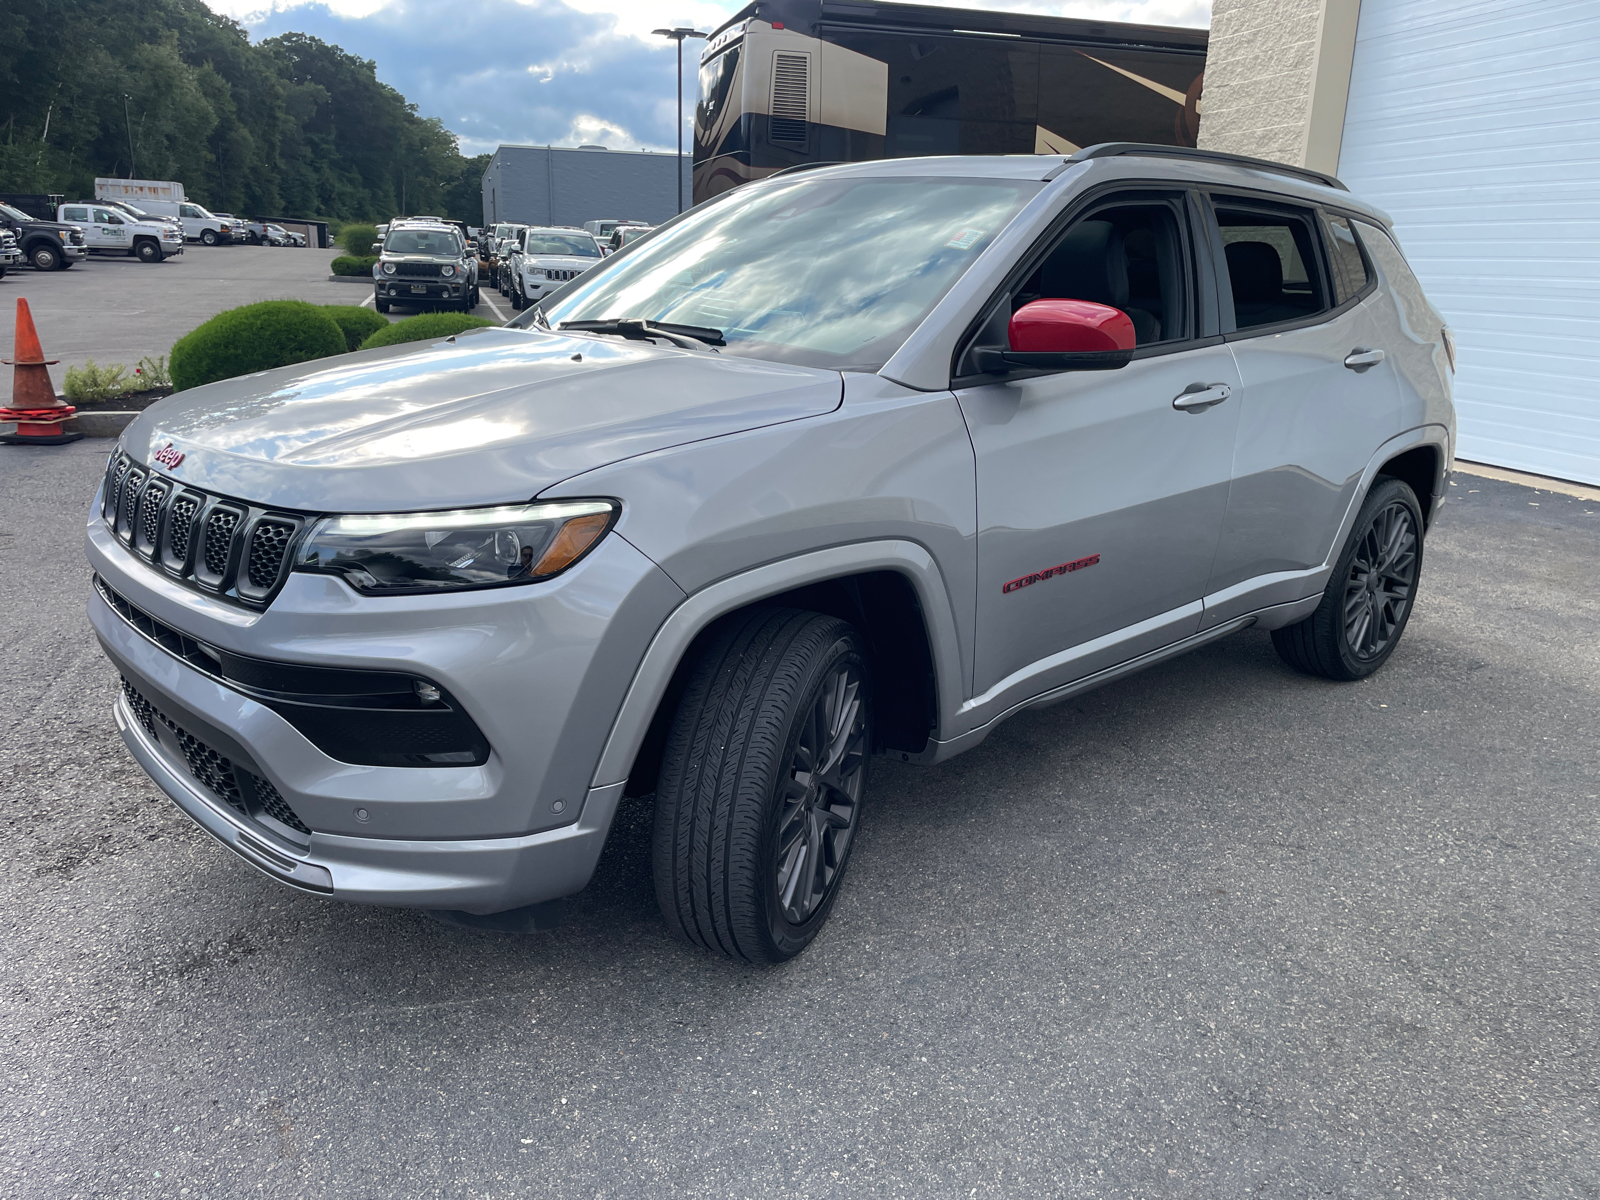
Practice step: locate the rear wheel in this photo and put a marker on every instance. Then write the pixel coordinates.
(761, 785)
(1368, 599)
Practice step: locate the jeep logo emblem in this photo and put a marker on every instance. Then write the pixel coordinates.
(168, 457)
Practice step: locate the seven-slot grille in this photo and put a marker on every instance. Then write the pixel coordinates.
(223, 547)
(419, 270)
(562, 274)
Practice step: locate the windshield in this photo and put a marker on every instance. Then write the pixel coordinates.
(574, 245)
(421, 241)
(14, 214)
(824, 272)
(504, 231)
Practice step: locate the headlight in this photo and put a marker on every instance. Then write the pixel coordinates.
(539, 271)
(464, 548)
(447, 270)
(388, 268)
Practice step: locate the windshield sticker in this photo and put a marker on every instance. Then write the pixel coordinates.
(966, 239)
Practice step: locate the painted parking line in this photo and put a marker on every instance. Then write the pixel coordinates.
(371, 297)
(492, 305)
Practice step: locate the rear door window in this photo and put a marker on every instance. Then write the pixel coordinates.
(1350, 273)
(74, 214)
(1274, 272)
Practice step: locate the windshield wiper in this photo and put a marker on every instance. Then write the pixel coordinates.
(689, 337)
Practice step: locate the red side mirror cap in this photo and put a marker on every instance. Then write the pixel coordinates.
(1069, 327)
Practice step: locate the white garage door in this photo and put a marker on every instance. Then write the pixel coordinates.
(1476, 124)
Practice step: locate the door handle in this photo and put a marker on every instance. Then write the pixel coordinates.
(1198, 397)
(1359, 359)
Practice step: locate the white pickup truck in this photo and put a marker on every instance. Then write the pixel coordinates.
(198, 224)
(108, 230)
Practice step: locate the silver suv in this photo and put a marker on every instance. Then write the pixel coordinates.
(851, 461)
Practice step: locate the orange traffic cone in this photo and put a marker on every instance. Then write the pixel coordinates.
(34, 406)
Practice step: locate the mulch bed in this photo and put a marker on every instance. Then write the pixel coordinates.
(127, 402)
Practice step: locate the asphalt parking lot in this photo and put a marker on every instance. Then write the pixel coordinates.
(118, 310)
(1216, 930)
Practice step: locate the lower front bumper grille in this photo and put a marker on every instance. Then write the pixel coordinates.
(244, 791)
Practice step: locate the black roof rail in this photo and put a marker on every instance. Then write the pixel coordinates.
(1150, 150)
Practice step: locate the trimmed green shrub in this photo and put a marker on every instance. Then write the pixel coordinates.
(356, 323)
(422, 327)
(358, 239)
(346, 265)
(256, 337)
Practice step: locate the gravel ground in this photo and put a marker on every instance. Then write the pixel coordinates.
(118, 310)
(1216, 930)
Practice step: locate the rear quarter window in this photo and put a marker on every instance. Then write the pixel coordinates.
(1350, 273)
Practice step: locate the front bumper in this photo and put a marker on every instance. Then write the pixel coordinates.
(419, 289)
(74, 252)
(540, 669)
(12, 257)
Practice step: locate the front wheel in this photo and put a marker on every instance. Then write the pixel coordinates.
(1369, 597)
(45, 258)
(148, 252)
(381, 305)
(208, 237)
(761, 785)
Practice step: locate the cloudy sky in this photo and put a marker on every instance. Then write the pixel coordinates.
(548, 71)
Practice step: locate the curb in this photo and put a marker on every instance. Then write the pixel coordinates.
(350, 279)
(90, 424)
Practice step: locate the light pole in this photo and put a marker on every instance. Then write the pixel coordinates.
(678, 35)
(129, 122)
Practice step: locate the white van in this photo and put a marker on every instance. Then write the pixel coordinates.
(198, 224)
(108, 230)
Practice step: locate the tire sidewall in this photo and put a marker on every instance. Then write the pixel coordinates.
(786, 940)
(44, 258)
(1382, 495)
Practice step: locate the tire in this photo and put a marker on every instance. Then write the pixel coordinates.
(477, 298)
(748, 852)
(381, 305)
(208, 237)
(147, 252)
(1370, 595)
(45, 257)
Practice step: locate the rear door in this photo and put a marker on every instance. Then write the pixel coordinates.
(1099, 502)
(1315, 404)
(112, 228)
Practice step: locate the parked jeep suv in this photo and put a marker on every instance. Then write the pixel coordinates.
(542, 260)
(855, 461)
(425, 265)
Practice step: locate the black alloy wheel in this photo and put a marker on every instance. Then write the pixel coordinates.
(822, 795)
(1369, 597)
(1381, 581)
(762, 780)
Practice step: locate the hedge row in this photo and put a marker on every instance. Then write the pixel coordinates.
(279, 333)
(346, 265)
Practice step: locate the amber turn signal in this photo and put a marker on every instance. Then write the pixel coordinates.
(576, 536)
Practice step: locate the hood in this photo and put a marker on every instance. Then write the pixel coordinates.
(577, 261)
(493, 417)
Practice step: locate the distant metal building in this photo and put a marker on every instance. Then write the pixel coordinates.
(543, 185)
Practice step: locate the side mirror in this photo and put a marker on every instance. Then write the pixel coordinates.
(1062, 335)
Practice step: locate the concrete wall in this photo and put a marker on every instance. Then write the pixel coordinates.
(538, 185)
(1277, 78)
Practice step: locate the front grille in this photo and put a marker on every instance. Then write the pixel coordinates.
(219, 539)
(244, 791)
(562, 274)
(419, 270)
(229, 549)
(268, 545)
